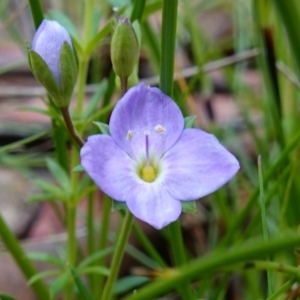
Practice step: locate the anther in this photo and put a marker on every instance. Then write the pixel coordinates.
(129, 135)
(147, 149)
(159, 129)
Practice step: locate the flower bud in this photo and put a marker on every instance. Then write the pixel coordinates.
(53, 62)
(124, 48)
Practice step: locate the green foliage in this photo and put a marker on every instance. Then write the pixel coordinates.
(84, 293)
(254, 217)
(189, 121)
(104, 128)
(6, 297)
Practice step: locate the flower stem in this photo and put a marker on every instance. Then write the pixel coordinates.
(28, 270)
(168, 40)
(37, 12)
(82, 72)
(118, 255)
(178, 251)
(72, 245)
(264, 222)
(124, 83)
(105, 219)
(70, 126)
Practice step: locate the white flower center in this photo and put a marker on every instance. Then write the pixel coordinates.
(148, 172)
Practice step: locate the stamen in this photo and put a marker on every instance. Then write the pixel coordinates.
(160, 129)
(129, 135)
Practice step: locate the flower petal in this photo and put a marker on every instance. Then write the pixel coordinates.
(48, 41)
(152, 204)
(145, 109)
(197, 165)
(109, 166)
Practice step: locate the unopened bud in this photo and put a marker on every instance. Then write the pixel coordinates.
(124, 48)
(52, 60)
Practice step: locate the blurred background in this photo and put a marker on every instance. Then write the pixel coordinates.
(235, 71)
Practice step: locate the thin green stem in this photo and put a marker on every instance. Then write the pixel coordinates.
(179, 256)
(124, 83)
(281, 290)
(118, 255)
(289, 13)
(103, 234)
(138, 9)
(37, 12)
(91, 231)
(213, 262)
(264, 265)
(264, 221)
(59, 139)
(72, 245)
(168, 40)
(88, 17)
(147, 245)
(82, 73)
(28, 270)
(70, 126)
(90, 223)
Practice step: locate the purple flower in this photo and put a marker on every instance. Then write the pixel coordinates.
(151, 162)
(48, 42)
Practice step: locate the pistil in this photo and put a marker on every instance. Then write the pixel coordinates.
(148, 172)
(147, 149)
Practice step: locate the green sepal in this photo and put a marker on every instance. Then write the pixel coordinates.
(78, 168)
(189, 207)
(118, 205)
(103, 127)
(42, 73)
(69, 72)
(189, 121)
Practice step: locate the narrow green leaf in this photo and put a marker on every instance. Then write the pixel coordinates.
(49, 188)
(104, 128)
(59, 174)
(37, 110)
(6, 297)
(94, 270)
(129, 283)
(59, 283)
(40, 198)
(94, 257)
(83, 291)
(95, 100)
(42, 275)
(45, 257)
(105, 31)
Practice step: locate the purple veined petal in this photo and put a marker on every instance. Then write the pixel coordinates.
(197, 165)
(47, 42)
(145, 109)
(151, 203)
(109, 166)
